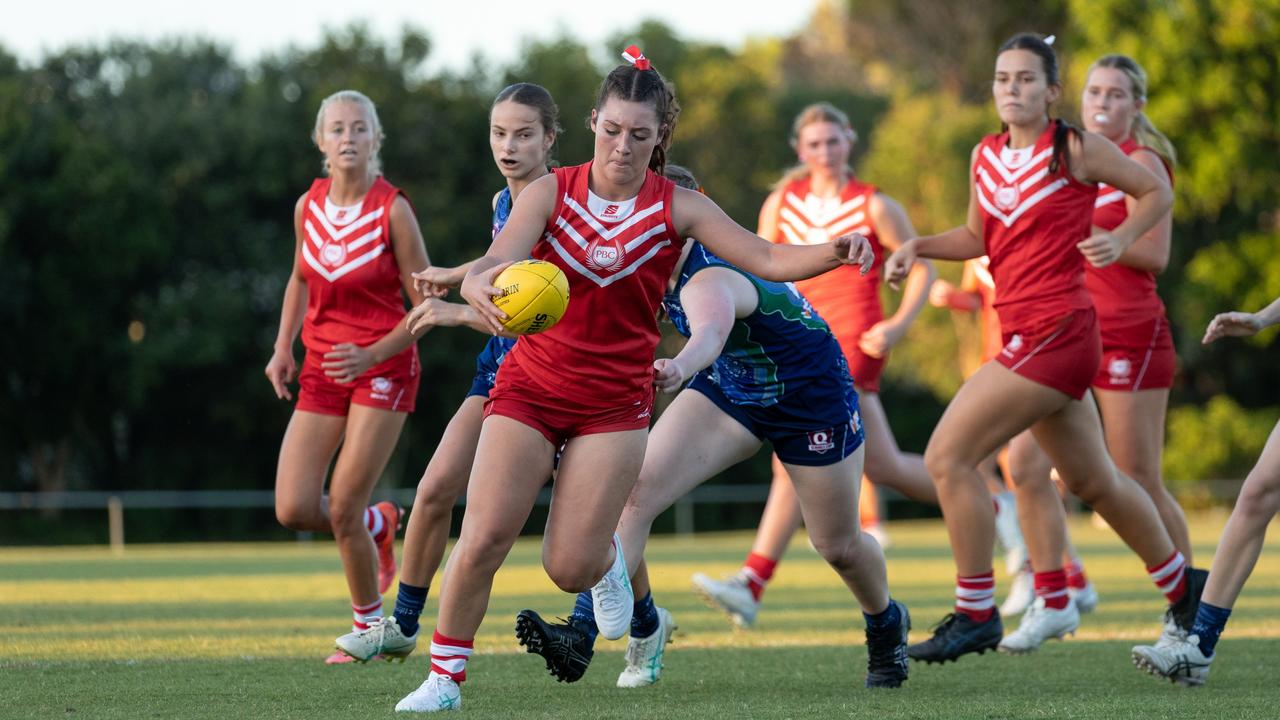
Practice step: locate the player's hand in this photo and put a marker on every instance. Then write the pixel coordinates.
(940, 293)
(281, 370)
(478, 290)
(1232, 324)
(430, 313)
(879, 338)
(668, 376)
(435, 281)
(899, 264)
(854, 249)
(347, 361)
(1101, 249)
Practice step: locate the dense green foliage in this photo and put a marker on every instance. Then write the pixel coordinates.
(145, 197)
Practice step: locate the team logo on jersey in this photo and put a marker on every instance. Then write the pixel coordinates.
(1007, 197)
(1015, 344)
(610, 211)
(333, 253)
(817, 236)
(1119, 369)
(381, 388)
(605, 254)
(820, 440)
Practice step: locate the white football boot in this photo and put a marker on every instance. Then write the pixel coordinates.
(1085, 598)
(1009, 533)
(644, 655)
(612, 597)
(382, 636)
(730, 595)
(436, 693)
(1022, 592)
(1179, 661)
(1040, 623)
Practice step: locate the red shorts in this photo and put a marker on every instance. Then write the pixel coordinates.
(517, 397)
(1138, 356)
(1062, 353)
(389, 385)
(864, 369)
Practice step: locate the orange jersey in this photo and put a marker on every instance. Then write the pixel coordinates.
(846, 299)
(992, 340)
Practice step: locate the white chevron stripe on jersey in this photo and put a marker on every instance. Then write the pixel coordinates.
(346, 230)
(608, 234)
(1025, 185)
(1024, 206)
(568, 257)
(345, 268)
(631, 245)
(793, 237)
(849, 224)
(1011, 177)
(352, 246)
(1107, 198)
(812, 212)
(794, 220)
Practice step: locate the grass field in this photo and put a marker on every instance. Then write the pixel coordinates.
(239, 631)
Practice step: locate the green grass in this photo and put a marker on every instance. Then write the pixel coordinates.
(231, 631)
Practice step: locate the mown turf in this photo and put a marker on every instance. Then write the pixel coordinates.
(231, 631)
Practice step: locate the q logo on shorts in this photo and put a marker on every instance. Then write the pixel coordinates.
(820, 440)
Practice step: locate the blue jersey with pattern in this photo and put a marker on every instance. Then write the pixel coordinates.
(782, 350)
(490, 358)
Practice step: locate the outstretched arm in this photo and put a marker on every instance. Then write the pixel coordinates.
(1241, 324)
(695, 215)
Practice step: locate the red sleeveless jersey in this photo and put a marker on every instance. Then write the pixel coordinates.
(1031, 222)
(1123, 295)
(846, 299)
(353, 282)
(601, 352)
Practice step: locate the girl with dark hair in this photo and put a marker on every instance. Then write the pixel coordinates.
(761, 364)
(523, 127)
(357, 241)
(615, 227)
(1132, 385)
(1031, 200)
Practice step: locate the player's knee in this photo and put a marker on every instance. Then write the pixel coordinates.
(838, 552)
(346, 518)
(569, 574)
(1259, 499)
(943, 464)
(435, 496)
(296, 516)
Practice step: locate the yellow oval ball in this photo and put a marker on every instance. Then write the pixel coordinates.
(535, 295)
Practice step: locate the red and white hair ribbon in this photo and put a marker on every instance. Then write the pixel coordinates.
(633, 55)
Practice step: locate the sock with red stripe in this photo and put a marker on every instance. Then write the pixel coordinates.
(375, 522)
(976, 596)
(1052, 587)
(449, 656)
(758, 570)
(1076, 579)
(362, 615)
(1171, 577)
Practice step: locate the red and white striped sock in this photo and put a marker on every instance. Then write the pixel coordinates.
(1076, 578)
(1171, 577)
(449, 656)
(1052, 586)
(758, 569)
(362, 615)
(374, 522)
(976, 596)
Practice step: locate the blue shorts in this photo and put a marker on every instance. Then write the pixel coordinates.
(819, 429)
(487, 363)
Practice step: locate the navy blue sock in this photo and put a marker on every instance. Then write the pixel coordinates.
(409, 602)
(887, 618)
(1210, 620)
(644, 617)
(583, 616)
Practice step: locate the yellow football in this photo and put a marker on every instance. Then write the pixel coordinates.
(535, 294)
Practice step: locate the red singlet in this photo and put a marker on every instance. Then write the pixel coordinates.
(1137, 346)
(593, 371)
(1032, 220)
(846, 299)
(353, 296)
